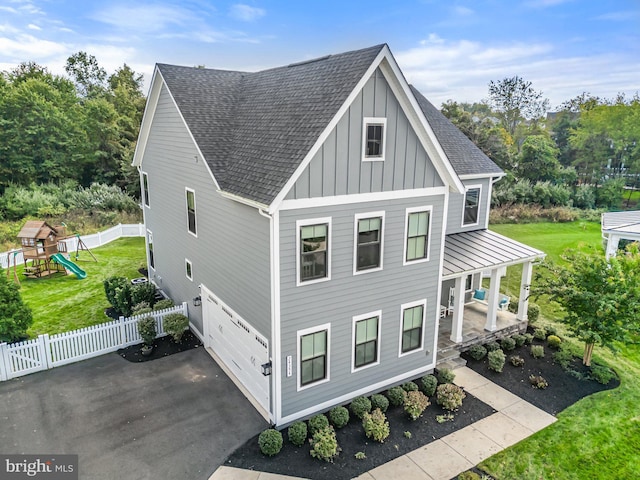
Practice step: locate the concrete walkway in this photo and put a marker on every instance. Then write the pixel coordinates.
(445, 458)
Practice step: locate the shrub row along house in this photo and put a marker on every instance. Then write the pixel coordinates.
(321, 213)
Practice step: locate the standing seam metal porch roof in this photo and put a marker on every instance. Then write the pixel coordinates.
(479, 250)
(621, 222)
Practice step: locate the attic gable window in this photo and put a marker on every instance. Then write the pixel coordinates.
(374, 135)
(471, 206)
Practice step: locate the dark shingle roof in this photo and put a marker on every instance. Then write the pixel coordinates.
(465, 157)
(254, 129)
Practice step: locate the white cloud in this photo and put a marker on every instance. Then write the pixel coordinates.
(246, 13)
(622, 16)
(142, 18)
(463, 11)
(31, 26)
(24, 47)
(545, 3)
(8, 9)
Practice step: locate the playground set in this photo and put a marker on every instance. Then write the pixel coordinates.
(45, 248)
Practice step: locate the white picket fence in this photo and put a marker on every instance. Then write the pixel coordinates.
(49, 351)
(92, 241)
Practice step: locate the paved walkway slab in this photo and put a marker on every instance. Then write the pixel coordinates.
(472, 444)
(439, 460)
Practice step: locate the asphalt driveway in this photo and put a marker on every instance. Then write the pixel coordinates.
(173, 418)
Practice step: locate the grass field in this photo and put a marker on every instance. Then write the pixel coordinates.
(63, 302)
(598, 437)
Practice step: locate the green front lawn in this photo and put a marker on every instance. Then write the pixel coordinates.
(598, 437)
(63, 302)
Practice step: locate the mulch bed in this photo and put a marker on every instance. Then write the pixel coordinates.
(163, 347)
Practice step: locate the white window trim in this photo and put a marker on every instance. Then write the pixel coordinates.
(404, 307)
(145, 200)
(358, 217)
(464, 205)
(195, 209)
(150, 241)
(305, 223)
(374, 121)
(186, 271)
(356, 319)
(426, 208)
(300, 334)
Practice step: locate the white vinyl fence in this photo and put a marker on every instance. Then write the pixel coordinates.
(49, 351)
(92, 241)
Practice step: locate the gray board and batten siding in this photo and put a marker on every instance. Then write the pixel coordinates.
(230, 254)
(456, 207)
(345, 295)
(337, 168)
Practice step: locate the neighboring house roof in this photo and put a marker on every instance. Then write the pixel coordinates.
(465, 157)
(470, 252)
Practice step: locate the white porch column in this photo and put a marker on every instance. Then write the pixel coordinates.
(458, 310)
(525, 284)
(612, 245)
(494, 293)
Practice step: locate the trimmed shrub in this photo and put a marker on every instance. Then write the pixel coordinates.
(477, 352)
(540, 333)
(339, 416)
(445, 375)
(469, 476)
(141, 308)
(297, 433)
(528, 338)
(270, 442)
(563, 357)
(324, 444)
(175, 324)
(123, 302)
(111, 284)
(538, 381)
(162, 304)
(416, 403)
(508, 343)
(492, 346)
(496, 360)
(516, 360)
(533, 313)
(359, 406)
(601, 374)
(554, 341)
(375, 425)
(537, 351)
(317, 423)
(396, 396)
(551, 330)
(15, 315)
(147, 330)
(450, 396)
(429, 384)
(144, 292)
(379, 401)
(520, 339)
(410, 387)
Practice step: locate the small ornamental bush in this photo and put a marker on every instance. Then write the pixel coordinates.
(379, 401)
(538, 381)
(143, 292)
(533, 312)
(450, 396)
(601, 374)
(339, 416)
(520, 339)
(508, 344)
(360, 405)
(270, 442)
(396, 396)
(360, 455)
(416, 403)
(407, 434)
(175, 324)
(528, 338)
(147, 330)
(445, 375)
(297, 433)
(563, 357)
(429, 384)
(537, 351)
(496, 360)
(554, 341)
(317, 422)
(540, 333)
(477, 352)
(375, 425)
(516, 360)
(324, 444)
(162, 304)
(140, 308)
(492, 346)
(410, 387)
(551, 330)
(111, 284)
(469, 476)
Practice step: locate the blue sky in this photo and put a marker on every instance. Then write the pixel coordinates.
(448, 49)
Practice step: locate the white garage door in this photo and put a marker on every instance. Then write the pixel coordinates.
(242, 349)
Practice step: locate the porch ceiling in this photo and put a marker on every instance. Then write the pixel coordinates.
(471, 252)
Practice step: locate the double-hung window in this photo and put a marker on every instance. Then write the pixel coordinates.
(145, 189)
(368, 241)
(313, 352)
(374, 134)
(313, 250)
(366, 331)
(150, 249)
(418, 226)
(412, 327)
(471, 206)
(191, 211)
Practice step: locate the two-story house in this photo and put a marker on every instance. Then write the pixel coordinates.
(323, 213)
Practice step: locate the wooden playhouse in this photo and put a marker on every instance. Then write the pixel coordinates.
(40, 242)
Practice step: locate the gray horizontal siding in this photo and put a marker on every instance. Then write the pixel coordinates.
(456, 202)
(231, 253)
(346, 295)
(338, 169)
